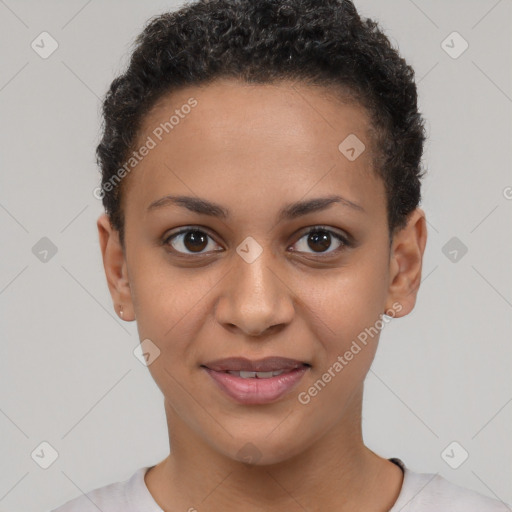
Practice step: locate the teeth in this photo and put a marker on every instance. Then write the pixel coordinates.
(259, 375)
(247, 375)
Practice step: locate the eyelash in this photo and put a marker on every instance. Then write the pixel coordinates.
(345, 243)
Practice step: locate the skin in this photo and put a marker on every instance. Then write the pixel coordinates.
(254, 149)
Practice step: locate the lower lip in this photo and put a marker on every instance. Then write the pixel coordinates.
(254, 390)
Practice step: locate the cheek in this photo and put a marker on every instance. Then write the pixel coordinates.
(166, 301)
(346, 303)
(170, 312)
(346, 315)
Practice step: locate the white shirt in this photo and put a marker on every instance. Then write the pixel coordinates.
(421, 492)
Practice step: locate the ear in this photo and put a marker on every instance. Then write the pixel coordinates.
(114, 262)
(405, 264)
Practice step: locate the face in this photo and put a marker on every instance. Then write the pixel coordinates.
(281, 250)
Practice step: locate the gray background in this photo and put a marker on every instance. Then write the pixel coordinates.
(68, 373)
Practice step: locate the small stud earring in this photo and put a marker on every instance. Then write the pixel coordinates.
(121, 312)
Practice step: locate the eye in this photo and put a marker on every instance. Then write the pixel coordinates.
(192, 239)
(319, 239)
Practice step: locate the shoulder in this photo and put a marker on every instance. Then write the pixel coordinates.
(430, 492)
(445, 495)
(115, 497)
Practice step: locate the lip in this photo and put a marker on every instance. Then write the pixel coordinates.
(268, 364)
(254, 390)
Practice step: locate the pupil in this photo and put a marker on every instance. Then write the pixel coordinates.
(322, 238)
(196, 239)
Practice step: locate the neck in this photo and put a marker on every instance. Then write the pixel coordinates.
(337, 472)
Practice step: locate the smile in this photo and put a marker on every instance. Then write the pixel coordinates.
(256, 382)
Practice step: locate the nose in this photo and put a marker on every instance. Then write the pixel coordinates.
(256, 299)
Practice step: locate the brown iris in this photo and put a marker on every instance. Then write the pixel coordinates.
(320, 240)
(195, 241)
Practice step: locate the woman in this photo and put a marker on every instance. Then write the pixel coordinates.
(261, 181)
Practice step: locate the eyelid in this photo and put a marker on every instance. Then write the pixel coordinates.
(185, 229)
(320, 227)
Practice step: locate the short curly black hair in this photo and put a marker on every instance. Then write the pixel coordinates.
(317, 42)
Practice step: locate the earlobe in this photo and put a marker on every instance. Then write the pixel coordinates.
(114, 263)
(406, 262)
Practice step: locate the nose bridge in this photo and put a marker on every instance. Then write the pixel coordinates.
(255, 299)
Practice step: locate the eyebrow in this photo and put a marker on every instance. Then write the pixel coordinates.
(289, 212)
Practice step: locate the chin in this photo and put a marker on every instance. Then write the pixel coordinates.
(262, 447)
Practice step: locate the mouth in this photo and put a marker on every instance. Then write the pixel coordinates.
(256, 381)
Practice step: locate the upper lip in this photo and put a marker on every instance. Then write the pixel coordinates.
(268, 364)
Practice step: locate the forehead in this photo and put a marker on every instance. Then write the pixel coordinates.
(230, 134)
(286, 112)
